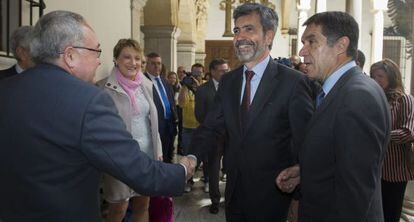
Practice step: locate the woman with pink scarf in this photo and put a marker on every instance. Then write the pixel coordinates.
(132, 94)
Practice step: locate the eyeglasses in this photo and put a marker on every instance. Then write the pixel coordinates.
(98, 51)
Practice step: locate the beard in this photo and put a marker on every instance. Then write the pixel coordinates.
(247, 50)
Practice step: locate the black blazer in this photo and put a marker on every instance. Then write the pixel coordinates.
(57, 135)
(8, 72)
(279, 114)
(342, 153)
(204, 100)
(160, 107)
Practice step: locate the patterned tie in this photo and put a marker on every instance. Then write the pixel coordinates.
(167, 113)
(320, 97)
(245, 105)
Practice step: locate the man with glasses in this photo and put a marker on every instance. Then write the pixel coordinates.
(58, 133)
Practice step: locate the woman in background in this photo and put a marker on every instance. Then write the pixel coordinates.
(395, 170)
(132, 94)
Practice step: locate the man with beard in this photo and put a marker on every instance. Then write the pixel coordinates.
(262, 108)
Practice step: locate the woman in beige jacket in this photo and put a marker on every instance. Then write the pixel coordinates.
(132, 94)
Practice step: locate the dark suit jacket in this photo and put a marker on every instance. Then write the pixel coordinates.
(204, 100)
(160, 108)
(342, 153)
(57, 135)
(279, 114)
(8, 72)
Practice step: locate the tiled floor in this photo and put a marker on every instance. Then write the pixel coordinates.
(193, 206)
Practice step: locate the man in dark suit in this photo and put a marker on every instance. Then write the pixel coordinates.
(204, 103)
(262, 108)
(341, 157)
(164, 101)
(19, 45)
(58, 133)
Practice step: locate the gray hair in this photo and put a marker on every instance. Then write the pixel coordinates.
(53, 33)
(21, 38)
(268, 17)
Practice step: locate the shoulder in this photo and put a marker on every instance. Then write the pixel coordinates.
(8, 72)
(205, 86)
(147, 84)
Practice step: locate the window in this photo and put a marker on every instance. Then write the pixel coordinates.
(13, 14)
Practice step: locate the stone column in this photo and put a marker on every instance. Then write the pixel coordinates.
(320, 6)
(285, 13)
(303, 6)
(407, 213)
(162, 40)
(186, 54)
(354, 8)
(136, 15)
(378, 8)
(199, 58)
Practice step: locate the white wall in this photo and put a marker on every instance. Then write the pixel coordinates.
(110, 19)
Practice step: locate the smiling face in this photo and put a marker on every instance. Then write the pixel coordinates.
(250, 43)
(129, 62)
(319, 57)
(380, 76)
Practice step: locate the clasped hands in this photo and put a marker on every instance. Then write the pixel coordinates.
(190, 163)
(288, 179)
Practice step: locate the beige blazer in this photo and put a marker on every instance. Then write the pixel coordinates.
(111, 85)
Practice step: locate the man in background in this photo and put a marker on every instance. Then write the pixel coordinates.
(204, 103)
(20, 47)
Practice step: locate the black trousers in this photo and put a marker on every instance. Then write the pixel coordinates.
(214, 159)
(167, 140)
(392, 199)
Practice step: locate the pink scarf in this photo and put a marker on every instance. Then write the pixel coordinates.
(130, 87)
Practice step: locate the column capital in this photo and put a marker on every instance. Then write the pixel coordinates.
(379, 5)
(138, 4)
(161, 31)
(303, 5)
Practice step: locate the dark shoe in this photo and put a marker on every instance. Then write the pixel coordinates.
(214, 208)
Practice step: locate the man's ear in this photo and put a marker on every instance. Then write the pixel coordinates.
(69, 57)
(19, 53)
(269, 36)
(342, 45)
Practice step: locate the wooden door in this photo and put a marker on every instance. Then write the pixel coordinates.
(221, 49)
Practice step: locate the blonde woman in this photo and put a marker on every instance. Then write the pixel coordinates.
(132, 94)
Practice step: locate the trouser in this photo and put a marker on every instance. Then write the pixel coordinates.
(392, 199)
(167, 141)
(214, 159)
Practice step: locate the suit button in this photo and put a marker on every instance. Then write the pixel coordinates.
(115, 87)
(108, 84)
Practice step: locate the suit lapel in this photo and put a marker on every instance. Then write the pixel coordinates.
(235, 97)
(333, 94)
(264, 91)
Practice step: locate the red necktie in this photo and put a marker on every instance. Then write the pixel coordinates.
(245, 105)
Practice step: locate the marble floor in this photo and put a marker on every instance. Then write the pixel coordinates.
(193, 206)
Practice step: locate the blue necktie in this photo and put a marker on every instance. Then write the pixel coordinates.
(164, 98)
(320, 98)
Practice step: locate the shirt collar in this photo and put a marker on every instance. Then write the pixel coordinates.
(332, 79)
(152, 77)
(259, 68)
(216, 84)
(19, 69)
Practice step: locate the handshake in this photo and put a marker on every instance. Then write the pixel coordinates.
(190, 163)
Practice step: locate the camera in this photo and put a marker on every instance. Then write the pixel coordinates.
(188, 80)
